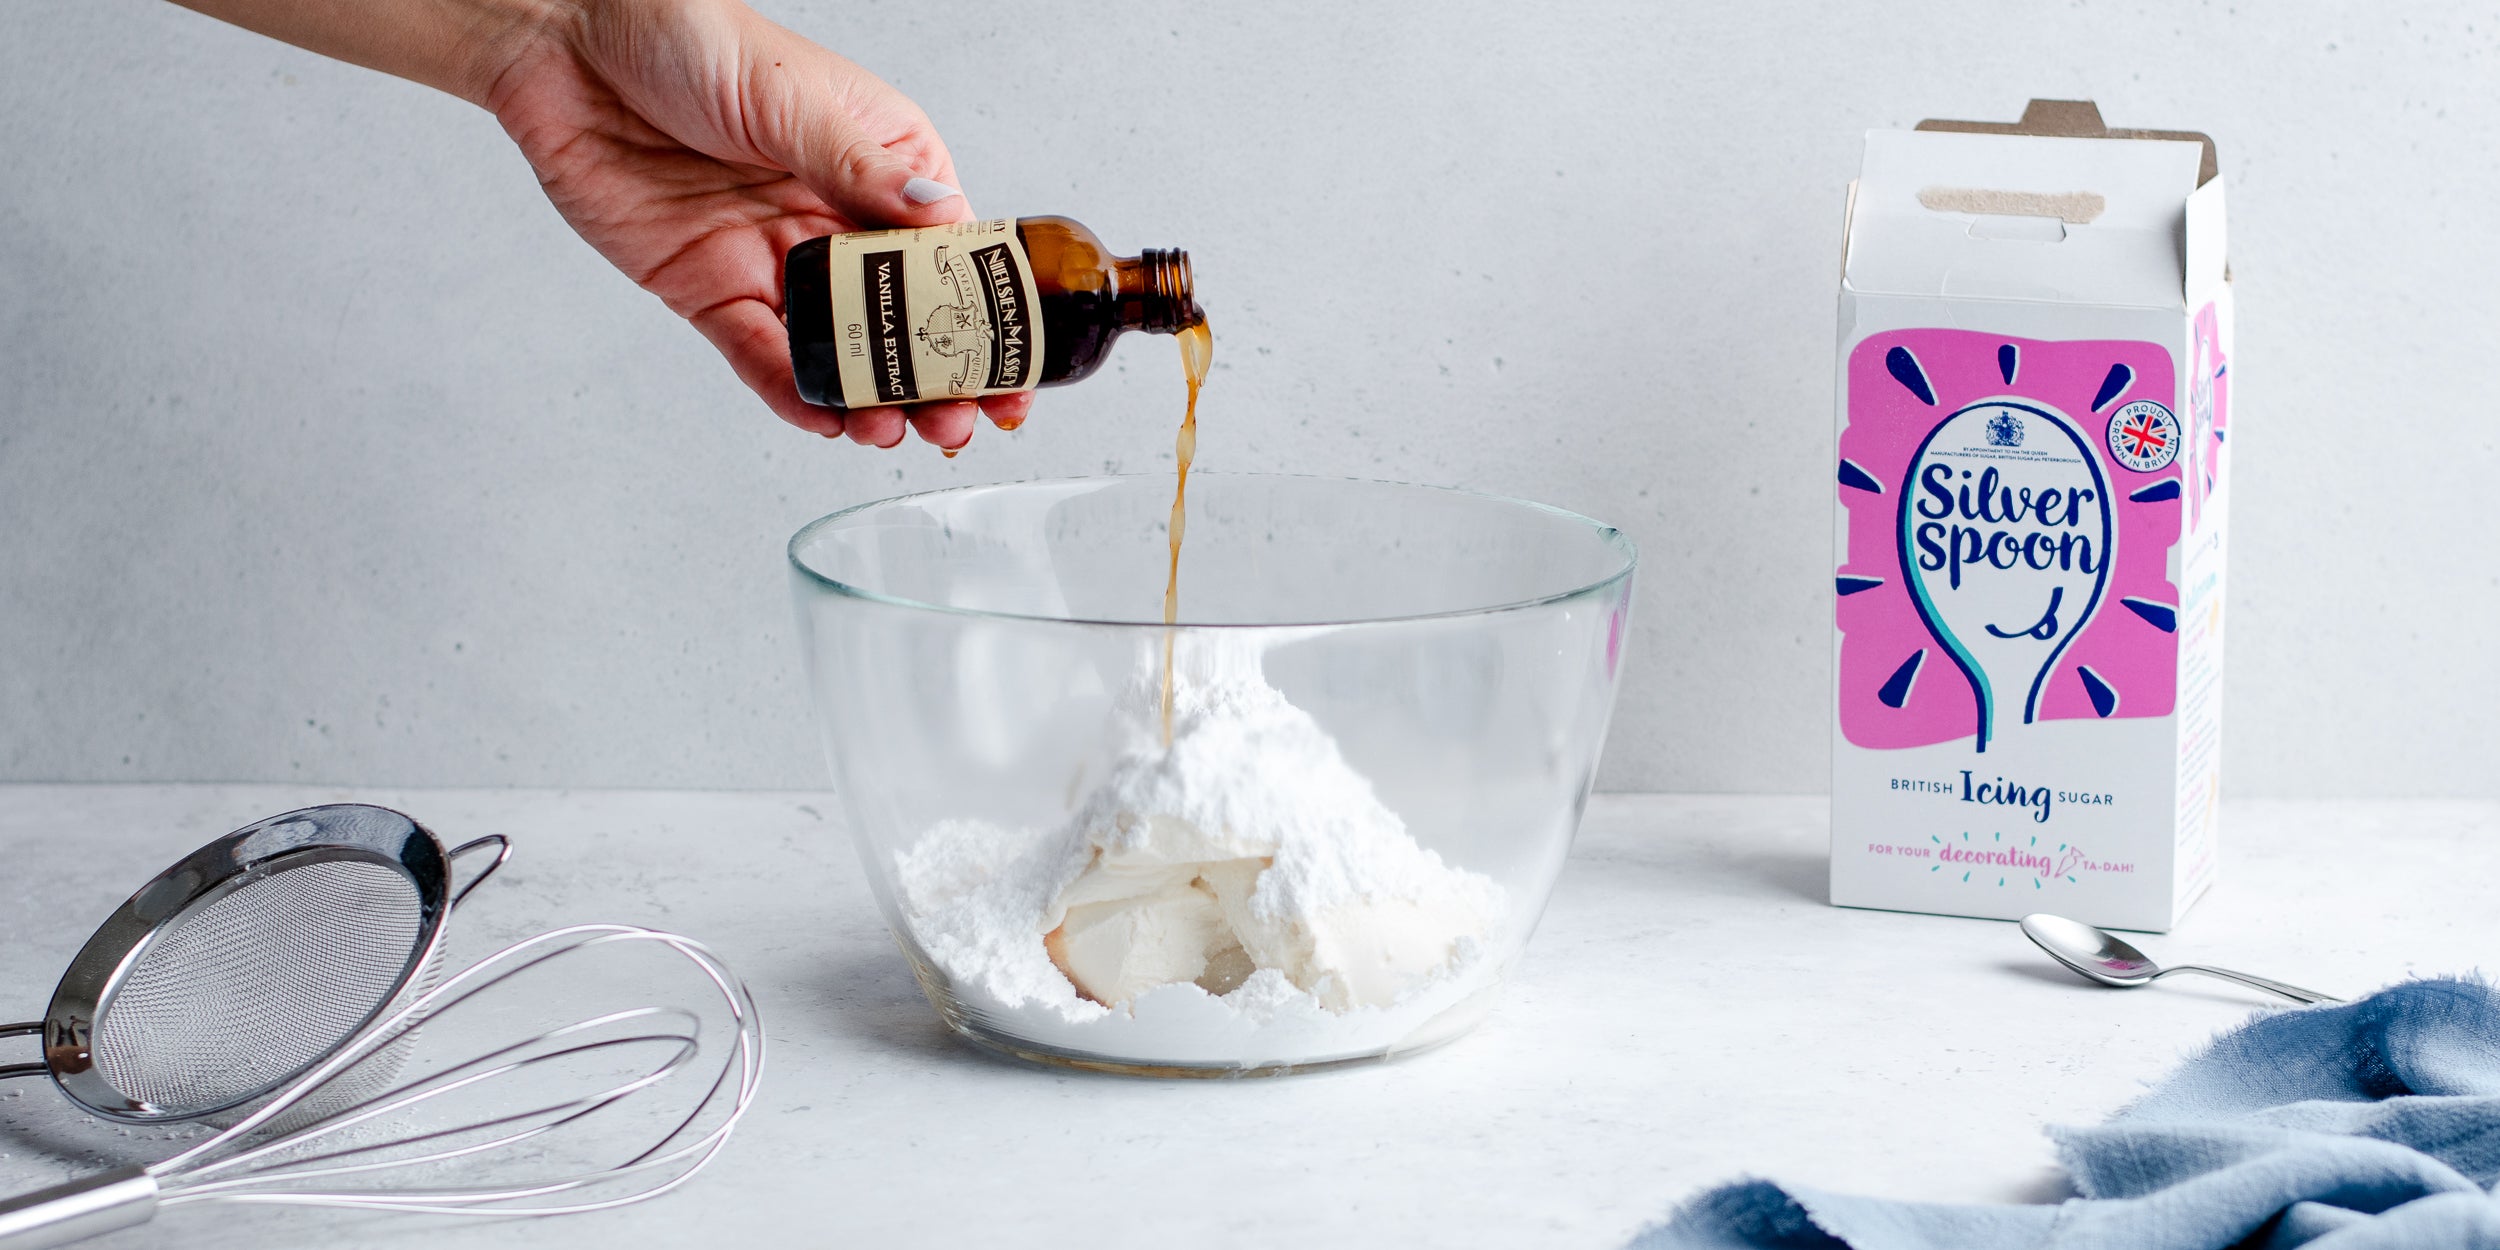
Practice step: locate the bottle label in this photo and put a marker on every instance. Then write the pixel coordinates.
(942, 312)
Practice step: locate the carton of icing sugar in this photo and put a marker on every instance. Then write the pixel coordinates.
(2032, 475)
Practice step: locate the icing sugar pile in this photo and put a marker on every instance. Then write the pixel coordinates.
(1245, 875)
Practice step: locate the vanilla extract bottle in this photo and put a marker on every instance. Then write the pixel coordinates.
(977, 308)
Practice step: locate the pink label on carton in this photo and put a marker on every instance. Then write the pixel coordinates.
(2012, 505)
(2209, 407)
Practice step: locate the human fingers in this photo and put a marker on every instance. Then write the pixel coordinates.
(863, 148)
(947, 424)
(757, 347)
(1007, 411)
(874, 427)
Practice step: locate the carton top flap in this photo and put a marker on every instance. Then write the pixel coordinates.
(2022, 216)
(2078, 119)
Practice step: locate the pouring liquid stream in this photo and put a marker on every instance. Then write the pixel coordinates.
(1197, 351)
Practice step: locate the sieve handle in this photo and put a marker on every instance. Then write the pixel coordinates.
(29, 1029)
(503, 851)
(90, 1206)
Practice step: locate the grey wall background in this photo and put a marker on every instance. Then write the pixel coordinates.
(328, 453)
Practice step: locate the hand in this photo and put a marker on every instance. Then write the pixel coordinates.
(693, 143)
(690, 141)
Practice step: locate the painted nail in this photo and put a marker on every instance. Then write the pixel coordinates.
(1009, 423)
(950, 452)
(927, 191)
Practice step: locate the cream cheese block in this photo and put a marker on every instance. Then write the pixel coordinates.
(1247, 842)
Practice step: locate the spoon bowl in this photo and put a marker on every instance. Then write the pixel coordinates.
(2099, 955)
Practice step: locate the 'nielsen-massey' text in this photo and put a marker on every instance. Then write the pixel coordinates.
(1002, 288)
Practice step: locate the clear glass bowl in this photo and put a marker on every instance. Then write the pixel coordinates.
(1388, 702)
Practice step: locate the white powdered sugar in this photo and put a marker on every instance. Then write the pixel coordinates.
(1240, 896)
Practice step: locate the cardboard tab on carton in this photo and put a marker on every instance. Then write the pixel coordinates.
(2035, 329)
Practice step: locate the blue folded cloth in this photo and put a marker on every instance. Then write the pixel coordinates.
(2368, 1126)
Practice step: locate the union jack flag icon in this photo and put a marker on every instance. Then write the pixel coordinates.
(2143, 436)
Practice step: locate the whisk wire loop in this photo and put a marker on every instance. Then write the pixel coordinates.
(283, 1153)
(688, 1047)
(239, 1165)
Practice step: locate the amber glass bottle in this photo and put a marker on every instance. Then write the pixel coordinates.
(980, 308)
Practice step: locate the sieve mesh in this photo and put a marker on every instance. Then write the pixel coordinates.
(257, 985)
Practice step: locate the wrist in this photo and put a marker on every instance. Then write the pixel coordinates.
(463, 47)
(501, 35)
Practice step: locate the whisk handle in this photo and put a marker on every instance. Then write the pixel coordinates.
(89, 1206)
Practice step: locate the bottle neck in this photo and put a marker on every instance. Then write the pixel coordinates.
(1155, 292)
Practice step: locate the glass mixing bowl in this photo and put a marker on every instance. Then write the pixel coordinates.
(1387, 704)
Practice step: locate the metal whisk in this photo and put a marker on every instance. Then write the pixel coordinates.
(617, 1106)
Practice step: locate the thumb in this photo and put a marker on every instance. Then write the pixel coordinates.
(866, 151)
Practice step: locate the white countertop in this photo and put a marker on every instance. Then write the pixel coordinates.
(1690, 1010)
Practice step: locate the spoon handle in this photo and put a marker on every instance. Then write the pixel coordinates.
(2292, 992)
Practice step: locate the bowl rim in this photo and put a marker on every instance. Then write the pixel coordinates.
(1607, 534)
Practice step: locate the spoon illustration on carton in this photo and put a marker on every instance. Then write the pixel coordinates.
(2005, 533)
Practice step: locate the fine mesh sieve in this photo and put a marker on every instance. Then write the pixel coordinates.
(251, 961)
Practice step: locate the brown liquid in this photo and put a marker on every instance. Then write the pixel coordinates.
(1197, 351)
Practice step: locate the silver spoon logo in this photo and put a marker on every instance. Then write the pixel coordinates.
(2005, 540)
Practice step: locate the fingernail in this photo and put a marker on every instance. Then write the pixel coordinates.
(927, 191)
(950, 452)
(1009, 423)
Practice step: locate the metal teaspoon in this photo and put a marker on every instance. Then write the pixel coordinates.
(2102, 957)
